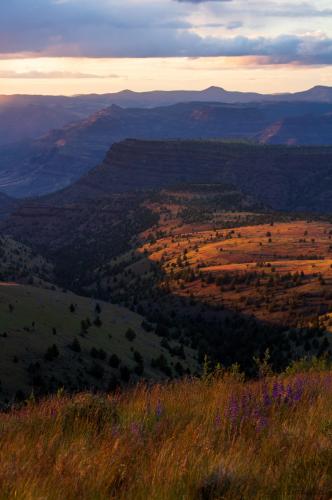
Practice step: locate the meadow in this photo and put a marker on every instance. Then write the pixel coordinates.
(208, 438)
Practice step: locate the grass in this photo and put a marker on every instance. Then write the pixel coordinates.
(285, 248)
(193, 439)
(41, 318)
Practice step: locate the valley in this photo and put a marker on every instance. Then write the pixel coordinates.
(205, 247)
(165, 250)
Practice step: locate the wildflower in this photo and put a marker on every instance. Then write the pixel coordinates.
(245, 403)
(233, 410)
(135, 429)
(298, 389)
(266, 396)
(159, 409)
(217, 420)
(277, 391)
(261, 423)
(289, 394)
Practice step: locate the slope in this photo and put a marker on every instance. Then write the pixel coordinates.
(63, 155)
(86, 334)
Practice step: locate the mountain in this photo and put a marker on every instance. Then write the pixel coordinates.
(62, 156)
(287, 178)
(319, 93)
(105, 210)
(307, 129)
(129, 98)
(27, 117)
(29, 122)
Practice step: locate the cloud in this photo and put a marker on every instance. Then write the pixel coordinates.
(51, 75)
(159, 28)
(201, 1)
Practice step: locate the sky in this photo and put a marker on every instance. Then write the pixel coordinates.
(96, 46)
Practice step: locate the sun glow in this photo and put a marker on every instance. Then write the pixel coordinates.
(90, 75)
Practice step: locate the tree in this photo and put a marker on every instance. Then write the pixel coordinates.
(130, 335)
(75, 345)
(114, 361)
(125, 373)
(51, 353)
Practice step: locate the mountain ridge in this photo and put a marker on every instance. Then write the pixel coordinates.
(61, 156)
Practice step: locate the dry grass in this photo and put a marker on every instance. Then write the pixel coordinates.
(187, 440)
(283, 249)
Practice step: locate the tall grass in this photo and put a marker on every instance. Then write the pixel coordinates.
(193, 439)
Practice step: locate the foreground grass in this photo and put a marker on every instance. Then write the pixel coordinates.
(185, 440)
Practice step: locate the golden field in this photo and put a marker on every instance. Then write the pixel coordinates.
(209, 438)
(280, 272)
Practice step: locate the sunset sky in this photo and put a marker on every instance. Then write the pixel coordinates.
(83, 46)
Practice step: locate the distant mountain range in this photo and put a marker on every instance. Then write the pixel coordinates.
(26, 117)
(62, 156)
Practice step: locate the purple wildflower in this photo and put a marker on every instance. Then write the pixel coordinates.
(289, 394)
(233, 410)
(217, 420)
(135, 429)
(245, 403)
(277, 391)
(159, 409)
(266, 396)
(261, 423)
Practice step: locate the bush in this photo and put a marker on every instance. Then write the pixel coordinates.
(75, 345)
(125, 373)
(130, 335)
(114, 361)
(96, 371)
(51, 353)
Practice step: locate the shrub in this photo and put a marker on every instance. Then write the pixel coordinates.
(130, 335)
(114, 361)
(52, 353)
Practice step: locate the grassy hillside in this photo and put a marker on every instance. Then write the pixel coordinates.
(194, 439)
(19, 263)
(280, 273)
(86, 334)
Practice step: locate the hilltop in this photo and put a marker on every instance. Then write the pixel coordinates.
(197, 439)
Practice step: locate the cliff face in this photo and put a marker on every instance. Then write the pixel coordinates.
(63, 156)
(308, 129)
(283, 177)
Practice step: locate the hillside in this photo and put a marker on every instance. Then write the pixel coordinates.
(64, 155)
(7, 205)
(195, 439)
(283, 177)
(304, 130)
(85, 335)
(29, 122)
(19, 263)
(211, 266)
